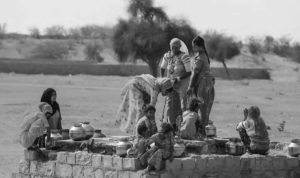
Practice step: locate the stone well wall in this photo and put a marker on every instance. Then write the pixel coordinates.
(88, 165)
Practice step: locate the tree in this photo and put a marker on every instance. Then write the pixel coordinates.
(221, 47)
(56, 32)
(147, 33)
(2, 30)
(34, 32)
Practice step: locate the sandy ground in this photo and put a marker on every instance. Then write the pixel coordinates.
(96, 98)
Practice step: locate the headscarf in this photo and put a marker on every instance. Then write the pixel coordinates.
(179, 43)
(164, 84)
(199, 41)
(165, 128)
(30, 114)
(46, 97)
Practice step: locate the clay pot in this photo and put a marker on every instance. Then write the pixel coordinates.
(98, 134)
(89, 130)
(210, 129)
(77, 132)
(65, 134)
(294, 147)
(122, 146)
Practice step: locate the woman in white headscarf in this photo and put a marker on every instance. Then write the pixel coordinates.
(177, 64)
(137, 93)
(34, 124)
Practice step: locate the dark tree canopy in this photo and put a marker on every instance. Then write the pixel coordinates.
(147, 33)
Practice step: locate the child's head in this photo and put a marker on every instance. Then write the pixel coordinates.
(194, 104)
(149, 111)
(254, 112)
(165, 128)
(142, 129)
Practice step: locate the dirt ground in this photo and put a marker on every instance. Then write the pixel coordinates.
(96, 99)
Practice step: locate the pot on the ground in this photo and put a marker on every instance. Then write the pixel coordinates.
(77, 132)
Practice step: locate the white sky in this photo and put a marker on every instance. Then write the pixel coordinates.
(240, 18)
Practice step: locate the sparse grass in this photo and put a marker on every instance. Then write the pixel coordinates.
(51, 50)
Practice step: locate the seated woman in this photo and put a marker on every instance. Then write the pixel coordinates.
(49, 96)
(140, 143)
(162, 149)
(253, 132)
(191, 120)
(34, 124)
(138, 92)
(149, 121)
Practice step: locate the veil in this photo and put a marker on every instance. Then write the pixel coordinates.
(184, 48)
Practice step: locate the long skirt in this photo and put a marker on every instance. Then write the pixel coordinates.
(205, 91)
(131, 108)
(154, 157)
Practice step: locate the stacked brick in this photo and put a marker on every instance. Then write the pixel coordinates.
(87, 165)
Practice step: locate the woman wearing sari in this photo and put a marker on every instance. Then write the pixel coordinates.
(177, 63)
(202, 82)
(49, 96)
(34, 124)
(137, 93)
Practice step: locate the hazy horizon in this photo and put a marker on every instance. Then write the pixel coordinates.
(240, 18)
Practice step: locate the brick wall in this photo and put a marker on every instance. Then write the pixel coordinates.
(87, 165)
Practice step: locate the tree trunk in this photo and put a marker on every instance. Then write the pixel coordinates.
(153, 67)
(225, 66)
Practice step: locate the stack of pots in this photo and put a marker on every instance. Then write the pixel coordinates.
(81, 131)
(235, 147)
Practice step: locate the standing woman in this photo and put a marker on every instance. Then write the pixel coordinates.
(202, 82)
(49, 96)
(176, 63)
(137, 93)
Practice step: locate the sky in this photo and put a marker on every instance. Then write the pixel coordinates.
(240, 18)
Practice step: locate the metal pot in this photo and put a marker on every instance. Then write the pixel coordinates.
(179, 147)
(235, 147)
(122, 146)
(89, 130)
(294, 147)
(55, 136)
(77, 132)
(210, 129)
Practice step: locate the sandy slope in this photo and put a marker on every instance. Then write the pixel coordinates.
(96, 98)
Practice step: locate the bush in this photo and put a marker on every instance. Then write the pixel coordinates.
(255, 45)
(34, 32)
(296, 52)
(92, 51)
(51, 50)
(282, 47)
(56, 32)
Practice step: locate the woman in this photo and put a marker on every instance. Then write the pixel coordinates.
(137, 93)
(34, 124)
(253, 132)
(177, 63)
(190, 122)
(49, 96)
(162, 149)
(202, 82)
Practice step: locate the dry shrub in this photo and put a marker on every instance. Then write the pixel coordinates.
(255, 45)
(92, 51)
(50, 50)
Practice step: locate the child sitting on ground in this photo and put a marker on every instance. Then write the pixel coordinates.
(140, 143)
(162, 149)
(191, 120)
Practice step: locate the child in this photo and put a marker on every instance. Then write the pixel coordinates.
(253, 132)
(162, 150)
(140, 143)
(191, 120)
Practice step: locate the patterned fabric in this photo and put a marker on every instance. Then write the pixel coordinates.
(176, 65)
(188, 125)
(136, 94)
(34, 125)
(162, 150)
(204, 88)
(257, 132)
(150, 124)
(139, 147)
